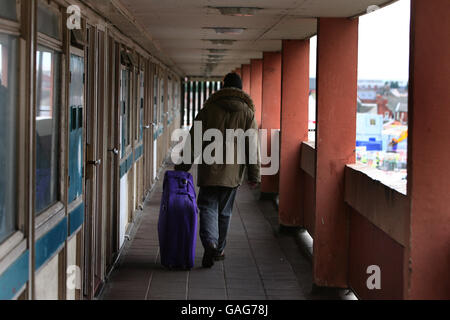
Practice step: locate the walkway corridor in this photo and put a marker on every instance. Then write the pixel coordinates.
(260, 263)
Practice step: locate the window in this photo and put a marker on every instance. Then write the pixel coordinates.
(125, 109)
(47, 127)
(169, 100)
(383, 73)
(136, 113)
(312, 89)
(76, 105)
(8, 136)
(49, 20)
(176, 106)
(8, 9)
(161, 106)
(155, 98)
(141, 105)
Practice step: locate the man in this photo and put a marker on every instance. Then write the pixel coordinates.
(229, 108)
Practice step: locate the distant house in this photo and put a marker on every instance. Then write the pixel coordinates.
(383, 109)
(369, 130)
(368, 108)
(367, 95)
(401, 113)
(398, 103)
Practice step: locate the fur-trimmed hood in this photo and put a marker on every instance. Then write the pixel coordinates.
(232, 99)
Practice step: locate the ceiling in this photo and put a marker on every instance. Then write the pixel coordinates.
(182, 29)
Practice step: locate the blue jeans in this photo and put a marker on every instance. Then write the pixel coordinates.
(216, 207)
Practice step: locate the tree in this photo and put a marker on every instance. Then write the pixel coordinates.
(395, 85)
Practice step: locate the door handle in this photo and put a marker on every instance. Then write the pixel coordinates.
(115, 151)
(95, 163)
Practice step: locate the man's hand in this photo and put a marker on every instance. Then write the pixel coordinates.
(183, 167)
(253, 185)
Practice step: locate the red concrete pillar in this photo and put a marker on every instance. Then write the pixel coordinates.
(256, 87)
(429, 154)
(246, 78)
(336, 139)
(271, 108)
(294, 128)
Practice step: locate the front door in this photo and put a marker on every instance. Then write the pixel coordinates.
(100, 161)
(95, 159)
(112, 165)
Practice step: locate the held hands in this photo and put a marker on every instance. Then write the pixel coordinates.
(253, 185)
(183, 167)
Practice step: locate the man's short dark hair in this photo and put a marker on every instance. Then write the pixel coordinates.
(232, 80)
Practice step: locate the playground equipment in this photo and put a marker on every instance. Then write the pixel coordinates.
(395, 142)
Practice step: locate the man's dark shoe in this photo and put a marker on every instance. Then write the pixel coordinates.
(208, 256)
(219, 256)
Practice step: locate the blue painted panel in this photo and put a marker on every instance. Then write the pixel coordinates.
(123, 168)
(138, 153)
(130, 162)
(47, 245)
(76, 219)
(126, 165)
(15, 277)
(141, 124)
(158, 133)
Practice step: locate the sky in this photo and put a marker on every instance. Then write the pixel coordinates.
(383, 44)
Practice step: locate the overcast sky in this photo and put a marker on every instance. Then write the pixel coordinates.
(383, 44)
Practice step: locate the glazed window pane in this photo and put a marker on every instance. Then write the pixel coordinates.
(47, 128)
(49, 21)
(8, 9)
(8, 135)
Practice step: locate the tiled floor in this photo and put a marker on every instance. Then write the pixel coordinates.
(260, 263)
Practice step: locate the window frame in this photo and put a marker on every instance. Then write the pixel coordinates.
(141, 102)
(169, 100)
(56, 8)
(11, 243)
(155, 98)
(46, 217)
(125, 149)
(136, 105)
(156, 102)
(80, 53)
(13, 23)
(162, 99)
